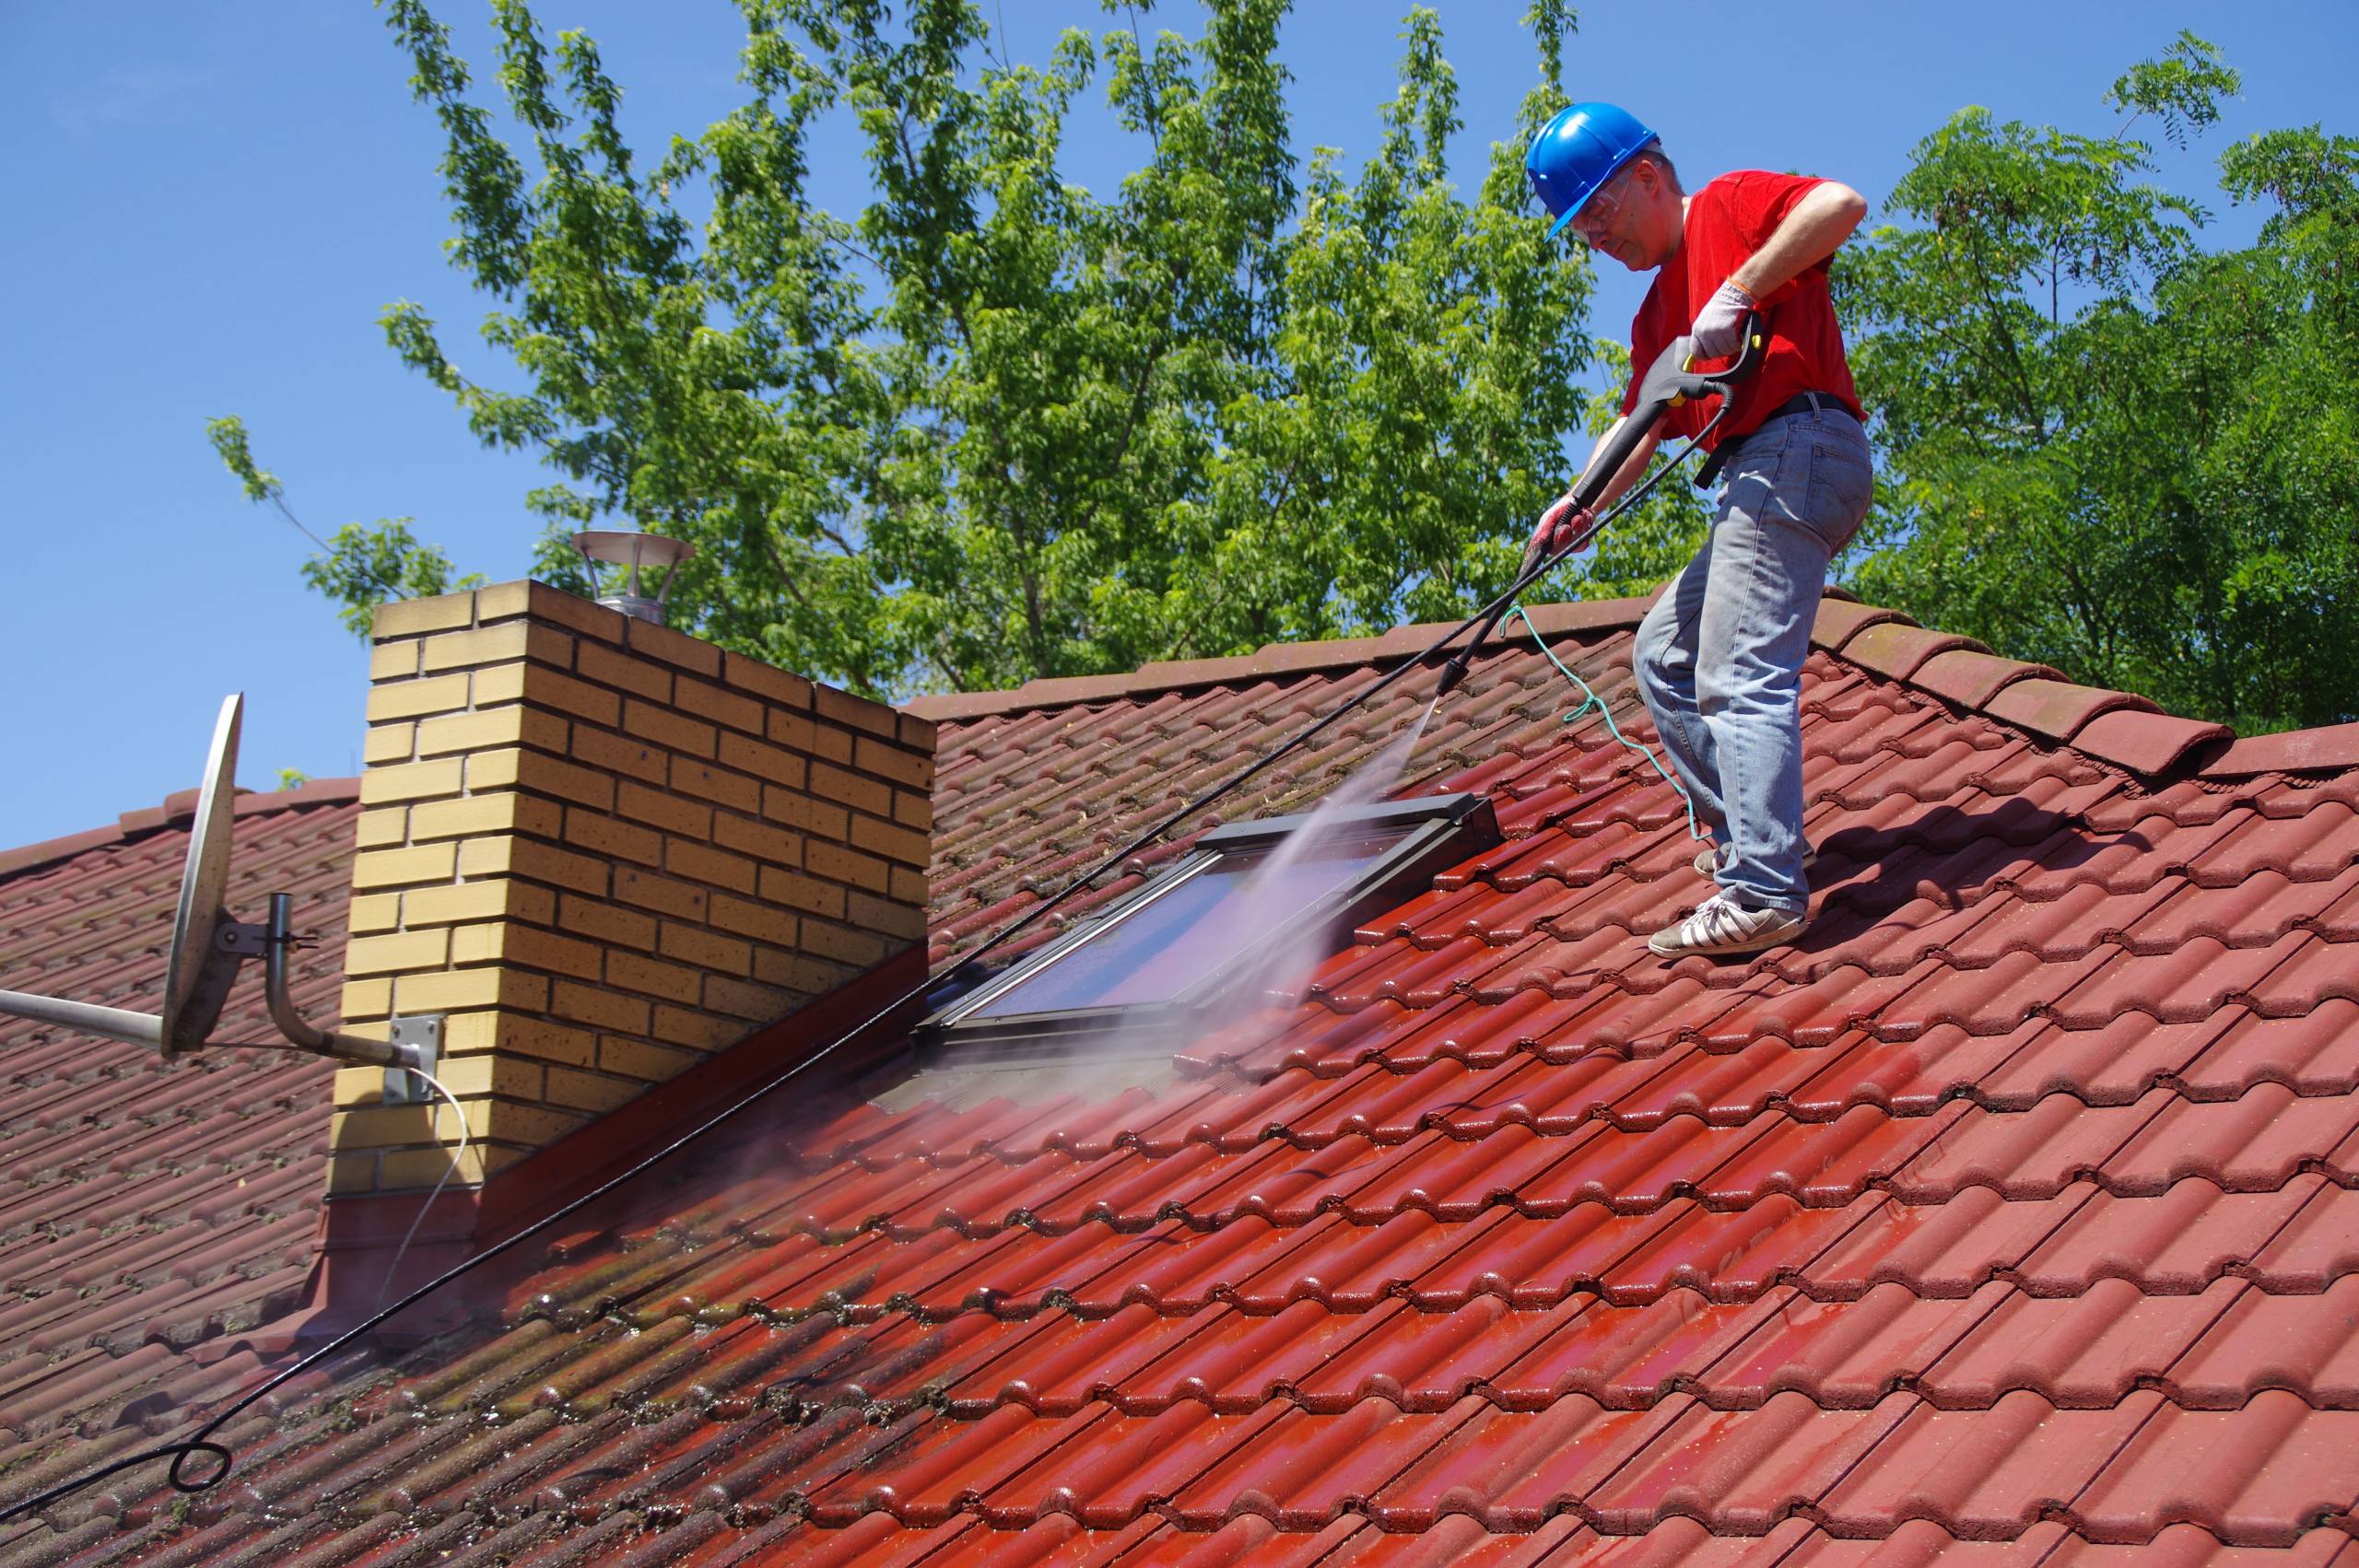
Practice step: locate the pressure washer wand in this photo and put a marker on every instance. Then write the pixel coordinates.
(1668, 382)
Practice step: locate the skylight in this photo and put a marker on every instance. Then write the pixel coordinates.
(1154, 963)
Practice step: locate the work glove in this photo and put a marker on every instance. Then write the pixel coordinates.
(1720, 326)
(1559, 526)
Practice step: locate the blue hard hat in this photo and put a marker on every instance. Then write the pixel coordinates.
(1577, 152)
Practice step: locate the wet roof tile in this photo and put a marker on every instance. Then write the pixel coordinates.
(2016, 1208)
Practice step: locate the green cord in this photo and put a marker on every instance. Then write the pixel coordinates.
(1591, 699)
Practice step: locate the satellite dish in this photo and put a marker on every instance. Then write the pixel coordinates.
(208, 944)
(198, 974)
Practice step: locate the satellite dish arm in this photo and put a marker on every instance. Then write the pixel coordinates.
(307, 1036)
(108, 1022)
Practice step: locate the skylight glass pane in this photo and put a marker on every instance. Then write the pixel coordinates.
(1159, 950)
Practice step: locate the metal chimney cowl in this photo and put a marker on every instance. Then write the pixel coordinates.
(635, 550)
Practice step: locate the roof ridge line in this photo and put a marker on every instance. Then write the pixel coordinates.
(1269, 661)
(178, 807)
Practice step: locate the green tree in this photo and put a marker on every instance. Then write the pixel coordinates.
(995, 424)
(2101, 446)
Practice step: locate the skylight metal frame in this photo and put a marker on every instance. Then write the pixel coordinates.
(1437, 832)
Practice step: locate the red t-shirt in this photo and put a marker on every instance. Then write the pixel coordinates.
(1728, 220)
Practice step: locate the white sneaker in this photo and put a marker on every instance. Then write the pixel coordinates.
(1723, 928)
(1708, 858)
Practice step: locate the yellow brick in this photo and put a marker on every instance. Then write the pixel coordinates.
(652, 1064)
(697, 1031)
(852, 790)
(366, 999)
(612, 837)
(910, 887)
(492, 1074)
(512, 725)
(773, 845)
(394, 661)
(389, 742)
(660, 808)
(760, 921)
(724, 708)
(800, 735)
(541, 687)
(767, 682)
(604, 922)
(857, 949)
(848, 865)
(507, 856)
(510, 1035)
(603, 1009)
(510, 943)
(502, 600)
(496, 645)
(710, 783)
(478, 1120)
(609, 668)
(534, 1127)
(512, 768)
(388, 954)
(406, 1170)
(820, 818)
(471, 987)
(383, 827)
(479, 901)
(588, 1091)
(379, 1126)
(685, 858)
(764, 762)
(396, 868)
(651, 641)
(373, 912)
(906, 769)
(912, 848)
(614, 753)
(648, 976)
(913, 811)
(352, 1172)
(674, 732)
(806, 894)
(473, 816)
(707, 951)
(854, 712)
(798, 972)
(412, 617)
(886, 917)
(738, 998)
(408, 699)
(358, 1086)
(409, 781)
(649, 890)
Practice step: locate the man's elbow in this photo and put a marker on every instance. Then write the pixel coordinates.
(1843, 204)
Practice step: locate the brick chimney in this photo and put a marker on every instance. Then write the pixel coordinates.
(601, 851)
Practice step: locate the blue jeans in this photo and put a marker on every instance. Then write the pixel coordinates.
(1719, 659)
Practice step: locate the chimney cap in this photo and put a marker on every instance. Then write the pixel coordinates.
(635, 550)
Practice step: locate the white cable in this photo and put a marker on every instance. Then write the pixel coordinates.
(428, 1207)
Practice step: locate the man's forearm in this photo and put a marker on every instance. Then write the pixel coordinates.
(1820, 222)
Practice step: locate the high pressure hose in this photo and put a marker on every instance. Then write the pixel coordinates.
(1667, 384)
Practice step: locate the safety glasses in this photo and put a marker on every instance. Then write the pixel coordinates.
(1597, 216)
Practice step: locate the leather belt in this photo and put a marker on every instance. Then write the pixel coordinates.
(1800, 402)
(1804, 403)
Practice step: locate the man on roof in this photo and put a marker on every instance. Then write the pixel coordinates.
(1719, 658)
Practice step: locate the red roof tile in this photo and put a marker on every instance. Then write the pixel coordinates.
(150, 1215)
(2016, 1207)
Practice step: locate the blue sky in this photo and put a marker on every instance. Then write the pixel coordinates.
(212, 203)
